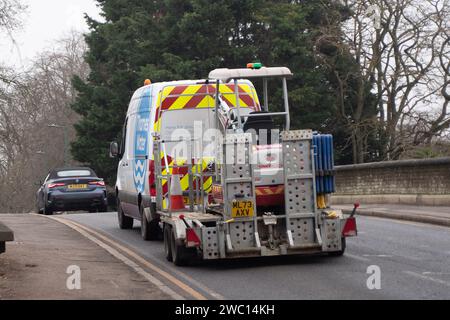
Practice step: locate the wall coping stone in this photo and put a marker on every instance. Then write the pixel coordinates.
(395, 164)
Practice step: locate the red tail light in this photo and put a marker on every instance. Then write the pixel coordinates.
(56, 185)
(350, 229)
(151, 178)
(192, 240)
(97, 183)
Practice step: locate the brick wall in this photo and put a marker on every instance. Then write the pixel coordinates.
(423, 182)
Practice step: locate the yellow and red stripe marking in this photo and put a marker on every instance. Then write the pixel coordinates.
(203, 96)
(207, 181)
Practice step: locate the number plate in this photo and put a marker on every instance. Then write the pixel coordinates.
(77, 186)
(242, 209)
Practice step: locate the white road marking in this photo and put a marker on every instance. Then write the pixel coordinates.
(352, 256)
(436, 273)
(377, 256)
(423, 277)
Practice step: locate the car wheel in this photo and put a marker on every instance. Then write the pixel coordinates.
(103, 209)
(181, 255)
(342, 252)
(47, 211)
(125, 223)
(167, 242)
(150, 230)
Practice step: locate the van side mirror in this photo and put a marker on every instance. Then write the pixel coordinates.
(114, 150)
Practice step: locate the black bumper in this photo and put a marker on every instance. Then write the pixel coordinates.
(77, 200)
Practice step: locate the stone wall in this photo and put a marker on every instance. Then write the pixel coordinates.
(414, 182)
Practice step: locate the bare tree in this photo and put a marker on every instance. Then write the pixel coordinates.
(402, 48)
(436, 124)
(10, 11)
(408, 77)
(9, 14)
(352, 64)
(30, 144)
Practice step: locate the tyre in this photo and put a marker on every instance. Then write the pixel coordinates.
(342, 252)
(168, 242)
(125, 223)
(103, 209)
(181, 255)
(150, 230)
(47, 211)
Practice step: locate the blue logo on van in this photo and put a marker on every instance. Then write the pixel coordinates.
(141, 139)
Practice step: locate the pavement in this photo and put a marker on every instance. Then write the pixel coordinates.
(35, 265)
(432, 215)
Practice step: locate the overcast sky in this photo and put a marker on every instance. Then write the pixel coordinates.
(45, 22)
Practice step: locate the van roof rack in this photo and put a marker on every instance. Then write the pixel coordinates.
(226, 75)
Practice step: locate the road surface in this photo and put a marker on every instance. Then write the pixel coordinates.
(413, 258)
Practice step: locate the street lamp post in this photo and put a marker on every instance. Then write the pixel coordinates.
(66, 142)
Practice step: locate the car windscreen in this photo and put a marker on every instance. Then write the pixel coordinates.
(74, 173)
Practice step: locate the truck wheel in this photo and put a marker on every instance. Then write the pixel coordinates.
(125, 223)
(342, 252)
(168, 242)
(180, 254)
(150, 231)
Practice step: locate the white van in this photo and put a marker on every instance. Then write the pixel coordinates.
(253, 188)
(160, 109)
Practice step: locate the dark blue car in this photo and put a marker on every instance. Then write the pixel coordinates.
(72, 189)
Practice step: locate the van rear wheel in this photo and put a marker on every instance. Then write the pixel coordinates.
(150, 230)
(168, 242)
(125, 223)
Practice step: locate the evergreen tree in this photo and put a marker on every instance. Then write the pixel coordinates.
(186, 39)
